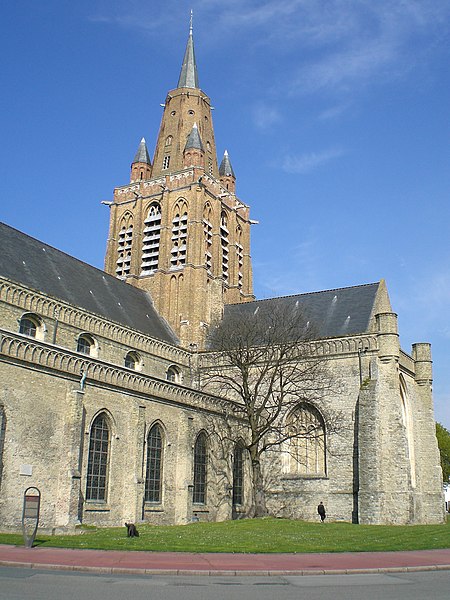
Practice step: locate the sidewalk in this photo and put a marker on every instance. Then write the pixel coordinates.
(180, 563)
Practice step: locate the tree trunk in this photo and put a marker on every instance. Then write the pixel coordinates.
(259, 508)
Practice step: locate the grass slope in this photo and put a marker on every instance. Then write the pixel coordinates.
(253, 535)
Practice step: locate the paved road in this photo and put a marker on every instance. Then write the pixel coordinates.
(30, 584)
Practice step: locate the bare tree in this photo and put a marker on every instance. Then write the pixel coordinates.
(268, 362)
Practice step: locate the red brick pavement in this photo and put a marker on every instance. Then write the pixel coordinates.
(176, 563)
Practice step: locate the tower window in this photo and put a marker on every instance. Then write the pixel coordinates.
(166, 161)
(150, 241)
(207, 232)
(169, 139)
(179, 236)
(239, 256)
(124, 244)
(224, 245)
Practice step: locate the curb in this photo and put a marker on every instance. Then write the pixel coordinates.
(218, 573)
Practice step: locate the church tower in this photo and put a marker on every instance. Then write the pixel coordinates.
(178, 229)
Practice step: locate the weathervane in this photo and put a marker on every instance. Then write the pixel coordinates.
(190, 24)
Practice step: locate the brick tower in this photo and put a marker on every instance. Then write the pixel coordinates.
(177, 229)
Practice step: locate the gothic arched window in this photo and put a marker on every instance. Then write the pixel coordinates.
(150, 240)
(124, 244)
(200, 469)
(98, 460)
(238, 475)
(153, 476)
(307, 441)
(408, 428)
(179, 235)
(239, 255)
(224, 244)
(2, 438)
(207, 232)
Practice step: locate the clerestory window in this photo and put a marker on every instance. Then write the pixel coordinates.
(86, 344)
(133, 361)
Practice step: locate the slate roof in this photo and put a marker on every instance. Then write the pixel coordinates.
(225, 168)
(194, 140)
(142, 153)
(332, 313)
(189, 76)
(36, 265)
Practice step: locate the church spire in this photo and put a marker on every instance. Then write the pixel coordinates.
(189, 76)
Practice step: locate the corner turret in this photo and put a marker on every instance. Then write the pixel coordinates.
(194, 152)
(141, 167)
(226, 174)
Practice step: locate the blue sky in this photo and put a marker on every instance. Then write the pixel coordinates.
(335, 114)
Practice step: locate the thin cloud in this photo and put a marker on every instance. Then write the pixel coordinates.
(265, 116)
(339, 46)
(305, 163)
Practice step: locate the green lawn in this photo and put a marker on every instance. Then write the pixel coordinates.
(253, 535)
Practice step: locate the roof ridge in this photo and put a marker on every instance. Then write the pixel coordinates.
(348, 287)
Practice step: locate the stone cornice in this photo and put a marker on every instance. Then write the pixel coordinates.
(52, 308)
(327, 347)
(28, 351)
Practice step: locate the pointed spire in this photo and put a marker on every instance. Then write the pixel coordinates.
(142, 155)
(194, 140)
(188, 75)
(225, 169)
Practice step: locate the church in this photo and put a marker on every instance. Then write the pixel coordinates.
(102, 406)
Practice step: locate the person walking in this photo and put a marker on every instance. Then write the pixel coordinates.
(321, 511)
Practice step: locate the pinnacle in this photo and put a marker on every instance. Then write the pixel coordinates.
(142, 155)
